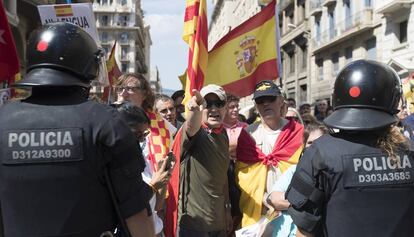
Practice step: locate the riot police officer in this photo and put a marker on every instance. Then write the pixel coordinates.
(358, 181)
(56, 145)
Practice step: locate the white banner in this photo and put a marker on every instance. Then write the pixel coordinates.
(80, 14)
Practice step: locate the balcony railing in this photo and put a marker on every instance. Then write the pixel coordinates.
(350, 25)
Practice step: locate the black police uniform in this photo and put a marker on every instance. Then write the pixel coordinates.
(51, 177)
(56, 144)
(344, 184)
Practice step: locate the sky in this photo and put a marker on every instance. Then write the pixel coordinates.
(168, 51)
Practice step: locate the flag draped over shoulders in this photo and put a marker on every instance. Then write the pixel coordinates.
(251, 167)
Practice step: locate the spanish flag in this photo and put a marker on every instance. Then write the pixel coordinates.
(195, 34)
(252, 166)
(63, 10)
(246, 55)
(113, 74)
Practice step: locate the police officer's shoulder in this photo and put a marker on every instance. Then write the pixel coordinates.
(101, 111)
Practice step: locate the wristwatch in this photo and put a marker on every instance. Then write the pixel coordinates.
(268, 201)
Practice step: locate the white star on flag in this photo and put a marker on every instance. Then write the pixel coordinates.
(1, 39)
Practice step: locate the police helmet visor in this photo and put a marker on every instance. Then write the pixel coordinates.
(362, 119)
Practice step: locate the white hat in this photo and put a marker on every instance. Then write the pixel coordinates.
(215, 89)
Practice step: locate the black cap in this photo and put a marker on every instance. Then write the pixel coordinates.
(266, 88)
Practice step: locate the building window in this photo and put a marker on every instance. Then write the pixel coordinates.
(319, 64)
(403, 31)
(106, 49)
(124, 52)
(124, 2)
(331, 16)
(104, 2)
(371, 47)
(124, 67)
(124, 37)
(303, 94)
(291, 62)
(335, 63)
(105, 20)
(123, 20)
(318, 30)
(348, 14)
(104, 37)
(304, 58)
(368, 3)
(301, 10)
(348, 54)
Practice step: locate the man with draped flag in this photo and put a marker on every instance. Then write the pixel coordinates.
(246, 55)
(9, 61)
(265, 150)
(113, 74)
(195, 35)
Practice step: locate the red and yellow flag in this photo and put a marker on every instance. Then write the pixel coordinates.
(113, 73)
(63, 10)
(9, 61)
(159, 138)
(246, 55)
(252, 167)
(195, 34)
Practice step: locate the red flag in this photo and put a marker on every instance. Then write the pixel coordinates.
(171, 213)
(195, 34)
(9, 61)
(113, 73)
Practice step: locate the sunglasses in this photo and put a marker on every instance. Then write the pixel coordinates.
(263, 99)
(292, 118)
(218, 103)
(129, 89)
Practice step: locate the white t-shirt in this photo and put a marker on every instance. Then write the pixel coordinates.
(265, 140)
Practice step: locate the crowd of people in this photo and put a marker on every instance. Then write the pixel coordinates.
(148, 165)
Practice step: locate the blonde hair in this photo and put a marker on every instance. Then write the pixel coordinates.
(391, 141)
(124, 79)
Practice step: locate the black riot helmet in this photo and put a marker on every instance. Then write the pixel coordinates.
(61, 54)
(366, 96)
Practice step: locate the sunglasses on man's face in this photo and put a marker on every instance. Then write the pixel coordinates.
(263, 99)
(218, 103)
(292, 118)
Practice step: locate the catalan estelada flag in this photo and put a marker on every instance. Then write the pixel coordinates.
(113, 74)
(252, 167)
(195, 34)
(9, 61)
(63, 10)
(246, 55)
